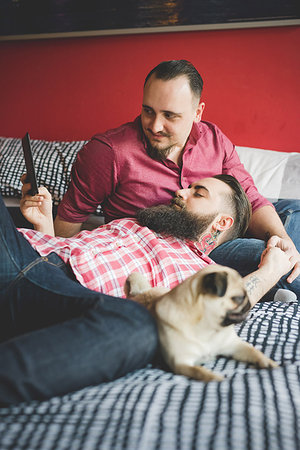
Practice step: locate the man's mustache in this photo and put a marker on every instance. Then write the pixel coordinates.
(160, 133)
(177, 201)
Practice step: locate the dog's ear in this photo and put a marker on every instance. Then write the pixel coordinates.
(215, 283)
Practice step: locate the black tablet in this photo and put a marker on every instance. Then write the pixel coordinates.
(31, 178)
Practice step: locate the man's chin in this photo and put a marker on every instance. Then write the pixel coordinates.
(158, 150)
(158, 144)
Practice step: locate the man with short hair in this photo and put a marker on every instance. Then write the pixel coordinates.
(57, 335)
(165, 149)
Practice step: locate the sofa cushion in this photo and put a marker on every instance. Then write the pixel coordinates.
(276, 174)
(52, 160)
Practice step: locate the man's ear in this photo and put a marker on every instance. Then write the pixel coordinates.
(223, 223)
(199, 111)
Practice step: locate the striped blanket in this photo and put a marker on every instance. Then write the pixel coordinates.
(154, 409)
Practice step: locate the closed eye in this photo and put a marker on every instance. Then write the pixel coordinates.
(200, 187)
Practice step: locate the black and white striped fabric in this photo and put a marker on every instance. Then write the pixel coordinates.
(52, 160)
(152, 409)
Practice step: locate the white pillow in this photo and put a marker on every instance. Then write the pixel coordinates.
(276, 174)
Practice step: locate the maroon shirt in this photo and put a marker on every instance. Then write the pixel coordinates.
(114, 170)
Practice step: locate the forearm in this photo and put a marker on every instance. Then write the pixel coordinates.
(265, 223)
(274, 265)
(258, 283)
(66, 229)
(47, 227)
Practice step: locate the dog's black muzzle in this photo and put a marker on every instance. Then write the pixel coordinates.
(237, 316)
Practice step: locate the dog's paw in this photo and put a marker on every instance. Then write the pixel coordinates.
(263, 362)
(197, 373)
(135, 284)
(247, 353)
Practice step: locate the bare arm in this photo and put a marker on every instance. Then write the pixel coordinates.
(274, 264)
(85, 192)
(266, 224)
(66, 229)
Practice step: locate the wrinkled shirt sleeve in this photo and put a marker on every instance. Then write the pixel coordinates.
(93, 179)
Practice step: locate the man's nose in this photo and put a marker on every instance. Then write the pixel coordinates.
(157, 125)
(182, 193)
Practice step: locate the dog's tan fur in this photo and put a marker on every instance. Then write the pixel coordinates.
(195, 320)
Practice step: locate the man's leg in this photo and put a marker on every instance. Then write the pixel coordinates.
(105, 342)
(244, 254)
(58, 336)
(289, 213)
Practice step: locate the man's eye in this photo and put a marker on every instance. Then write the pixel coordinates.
(170, 116)
(198, 195)
(147, 111)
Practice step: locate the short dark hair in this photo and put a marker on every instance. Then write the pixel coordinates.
(168, 70)
(239, 204)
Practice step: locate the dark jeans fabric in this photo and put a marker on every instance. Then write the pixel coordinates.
(244, 254)
(57, 336)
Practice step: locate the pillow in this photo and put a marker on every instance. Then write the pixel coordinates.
(276, 174)
(52, 160)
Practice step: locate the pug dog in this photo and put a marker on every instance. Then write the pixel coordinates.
(196, 320)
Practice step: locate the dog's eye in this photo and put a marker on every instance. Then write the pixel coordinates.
(238, 299)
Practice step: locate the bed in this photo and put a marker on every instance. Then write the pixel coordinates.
(151, 408)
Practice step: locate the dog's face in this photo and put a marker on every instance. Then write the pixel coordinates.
(215, 296)
(222, 295)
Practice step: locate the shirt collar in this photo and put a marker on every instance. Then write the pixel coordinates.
(195, 134)
(195, 247)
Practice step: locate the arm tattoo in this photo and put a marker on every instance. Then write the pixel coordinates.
(252, 284)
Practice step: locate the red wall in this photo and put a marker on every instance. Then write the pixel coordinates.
(73, 88)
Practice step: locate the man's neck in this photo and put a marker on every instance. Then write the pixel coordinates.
(208, 241)
(176, 155)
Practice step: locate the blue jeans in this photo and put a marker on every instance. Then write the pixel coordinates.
(57, 336)
(243, 254)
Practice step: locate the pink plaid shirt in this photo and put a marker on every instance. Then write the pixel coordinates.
(103, 258)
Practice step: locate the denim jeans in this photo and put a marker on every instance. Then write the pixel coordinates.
(57, 336)
(243, 254)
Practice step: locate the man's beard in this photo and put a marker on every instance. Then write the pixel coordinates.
(169, 220)
(160, 154)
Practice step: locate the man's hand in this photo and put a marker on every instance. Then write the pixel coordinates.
(288, 247)
(275, 261)
(37, 209)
